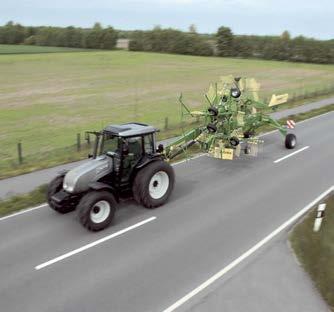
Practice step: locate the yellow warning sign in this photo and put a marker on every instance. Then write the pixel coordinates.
(228, 154)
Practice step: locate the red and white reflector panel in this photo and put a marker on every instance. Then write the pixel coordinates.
(291, 124)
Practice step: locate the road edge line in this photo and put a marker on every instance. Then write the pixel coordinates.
(24, 210)
(248, 253)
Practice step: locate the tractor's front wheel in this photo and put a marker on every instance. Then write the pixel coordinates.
(96, 210)
(54, 187)
(154, 184)
(290, 141)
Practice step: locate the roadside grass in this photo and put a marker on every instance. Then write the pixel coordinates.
(19, 202)
(46, 99)
(31, 49)
(315, 251)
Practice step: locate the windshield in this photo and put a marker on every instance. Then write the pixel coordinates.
(109, 143)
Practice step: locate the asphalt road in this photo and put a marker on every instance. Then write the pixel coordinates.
(28, 182)
(219, 209)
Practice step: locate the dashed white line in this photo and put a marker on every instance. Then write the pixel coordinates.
(289, 155)
(90, 245)
(23, 211)
(248, 253)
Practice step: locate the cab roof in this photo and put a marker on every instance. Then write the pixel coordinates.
(130, 129)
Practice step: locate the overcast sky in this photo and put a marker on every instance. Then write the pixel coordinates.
(307, 17)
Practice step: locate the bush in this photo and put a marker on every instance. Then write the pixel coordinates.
(170, 41)
(72, 37)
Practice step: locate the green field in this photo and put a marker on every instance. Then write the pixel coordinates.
(45, 99)
(30, 49)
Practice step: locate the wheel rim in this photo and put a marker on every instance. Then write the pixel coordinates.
(159, 184)
(100, 211)
(293, 142)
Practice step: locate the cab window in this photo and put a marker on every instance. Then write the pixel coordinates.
(110, 143)
(134, 146)
(149, 144)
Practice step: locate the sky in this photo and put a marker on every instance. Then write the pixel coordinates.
(262, 17)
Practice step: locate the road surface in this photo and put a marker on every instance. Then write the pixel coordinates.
(150, 259)
(28, 182)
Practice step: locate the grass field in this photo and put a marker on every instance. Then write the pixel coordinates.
(30, 49)
(45, 99)
(315, 251)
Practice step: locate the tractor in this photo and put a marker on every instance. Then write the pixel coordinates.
(125, 162)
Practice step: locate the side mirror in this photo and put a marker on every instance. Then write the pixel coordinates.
(160, 148)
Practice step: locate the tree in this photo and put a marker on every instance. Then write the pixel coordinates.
(285, 36)
(193, 29)
(109, 39)
(94, 37)
(224, 41)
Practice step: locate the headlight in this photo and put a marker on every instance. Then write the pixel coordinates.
(68, 188)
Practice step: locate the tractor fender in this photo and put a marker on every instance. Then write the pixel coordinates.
(143, 163)
(99, 186)
(148, 160)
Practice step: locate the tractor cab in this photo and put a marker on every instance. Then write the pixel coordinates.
(128, 145)
(132, 139)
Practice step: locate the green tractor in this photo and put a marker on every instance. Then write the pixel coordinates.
(125, 162)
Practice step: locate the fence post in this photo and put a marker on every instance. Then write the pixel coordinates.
(78, 142)
(19, 152)
(87, 137)
(166, 123)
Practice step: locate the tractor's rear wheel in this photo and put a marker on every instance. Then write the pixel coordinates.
(54, 187)
(96, 210)
(290, 141)
(153, 184)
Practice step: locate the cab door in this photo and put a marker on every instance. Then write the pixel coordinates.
(132, 153)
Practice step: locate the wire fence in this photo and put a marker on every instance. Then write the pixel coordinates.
(24, 160)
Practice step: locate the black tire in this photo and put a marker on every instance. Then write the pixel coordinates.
(290, 141)
(163, 173)
(213, 111)
(54, 187)
(88, 210)
(211, 128)
(234, 141)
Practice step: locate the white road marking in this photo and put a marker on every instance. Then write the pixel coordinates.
(23, 211)
(248, 253)
(289, 155)
(315, 117)
(90, 245)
